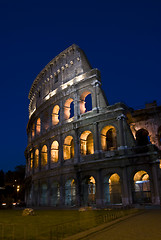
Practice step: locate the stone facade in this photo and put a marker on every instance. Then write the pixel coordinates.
(81, 150)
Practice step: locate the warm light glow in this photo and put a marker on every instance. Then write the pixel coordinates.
(44, 156)
(82, 101)
(68, 148)
(55, 115)
(31, 160)
(33, 130)
(38, 126)
(86, 143)
(108, 138)
(36, 163)
(160, 164)
(54, 151)
(18, 188)
(67, 108)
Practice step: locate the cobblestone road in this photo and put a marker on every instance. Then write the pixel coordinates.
(146, 226)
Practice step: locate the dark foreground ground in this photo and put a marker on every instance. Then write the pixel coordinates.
(143, 226)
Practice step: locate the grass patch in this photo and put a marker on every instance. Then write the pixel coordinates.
(53, 224)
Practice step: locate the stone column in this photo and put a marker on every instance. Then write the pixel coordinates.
(156, 187)
(121, 120)
(61, 158)
(97, 147)
(95, 103)
(76, 147)
(76, 106)
(125, 194)
(99, 189)
(49, 156)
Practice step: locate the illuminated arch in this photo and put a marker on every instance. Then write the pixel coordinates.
(44, 155)
(38, 126)
(36, 162)
(89, 190)
(142, 137)
(33, 130)
(68, 148)
(69, 109)
(108, 138)
(70, 192)
(55, 115)
(85, 102)
(54, 151)
(112, 189)
(142, 191)
(46, 121)
(31, 160)
(86, 143)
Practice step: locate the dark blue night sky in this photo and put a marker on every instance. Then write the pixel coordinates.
(120, 38)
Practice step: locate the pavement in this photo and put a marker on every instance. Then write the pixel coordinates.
(145, 225)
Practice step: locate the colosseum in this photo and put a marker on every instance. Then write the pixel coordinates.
(82, 151)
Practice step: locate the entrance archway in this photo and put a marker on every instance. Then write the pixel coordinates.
(89, 191)
(141, 192)
(112, 189)
(70, 192)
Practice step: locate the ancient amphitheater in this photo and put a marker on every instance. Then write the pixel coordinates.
(81, 150)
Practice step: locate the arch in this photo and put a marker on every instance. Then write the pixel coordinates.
(46, 121)
(55, 151)
(108, 138)
(70, 192)
(141, 191)
(36, 162)
(44, 155)
(85, 102)
(89, 191)
(55, 194)
(69, 108)
(31, 160)
(86, 143)
(68, 148)
(43, 195)
(55, 115)
(142, 137)
(159, 135)
(112, 189)
(33, 130)
(38, 126)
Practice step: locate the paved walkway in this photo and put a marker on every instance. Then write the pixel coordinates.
(146, 226)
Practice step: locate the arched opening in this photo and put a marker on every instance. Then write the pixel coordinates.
(89, 191)
(44, 155)
(46, 121)
(43, 195)
(38, 126)
(68, 148)
(54, 151)
(36, 162)
(33, 130)
(159, 135)
(70, 192)
(86, 143)
(112, 189)
(85, 102)
(142, 137)
(142, 192)
(31, 160)
(108, 138)
(69, 109)
(55, 115)
(55, 194)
